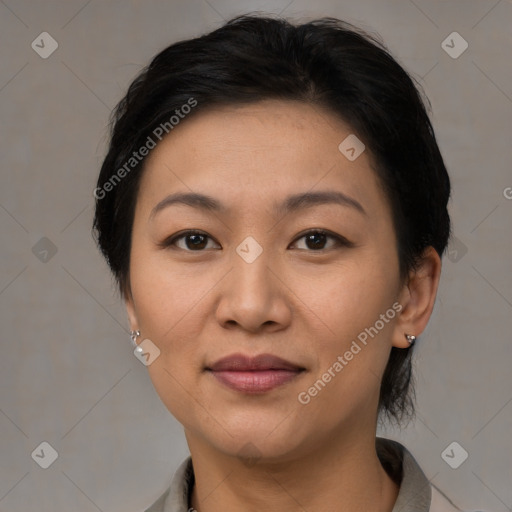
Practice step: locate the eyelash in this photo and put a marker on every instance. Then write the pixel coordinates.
(340, 240)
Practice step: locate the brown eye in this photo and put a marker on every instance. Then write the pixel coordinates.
(197, 241)
(193, 241)
(315, 240)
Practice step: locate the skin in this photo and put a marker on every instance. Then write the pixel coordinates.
(301, 303)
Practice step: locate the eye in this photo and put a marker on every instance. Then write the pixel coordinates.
(196, 241)
(316, 239)
(193, 241)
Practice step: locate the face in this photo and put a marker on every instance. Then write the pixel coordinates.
(257, 271)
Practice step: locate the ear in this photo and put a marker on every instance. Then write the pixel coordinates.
(417, 298)
(130, 307)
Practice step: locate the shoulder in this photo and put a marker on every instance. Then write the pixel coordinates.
(176, 497)
(416, 492)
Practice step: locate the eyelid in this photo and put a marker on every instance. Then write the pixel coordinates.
(339, 239)
(170, 241)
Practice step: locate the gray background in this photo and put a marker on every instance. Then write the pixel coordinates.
(68, 374)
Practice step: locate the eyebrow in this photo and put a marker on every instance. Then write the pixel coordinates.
(290, 204)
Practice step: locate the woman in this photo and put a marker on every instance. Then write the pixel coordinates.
(273, 205)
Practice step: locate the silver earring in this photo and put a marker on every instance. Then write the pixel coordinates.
(410, 338)
(133, 336)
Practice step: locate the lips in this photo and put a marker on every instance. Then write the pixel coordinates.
(241, 363)
(254, 374)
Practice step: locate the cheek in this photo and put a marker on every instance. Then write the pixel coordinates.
(352, 297)
(339, 301)
(166, 294)
(356, 309)
(353, 353)
(333, 306)
(169, 310)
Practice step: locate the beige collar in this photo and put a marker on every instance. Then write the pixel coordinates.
(416, 493)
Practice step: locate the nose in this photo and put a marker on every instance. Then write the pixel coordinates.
(253, 296)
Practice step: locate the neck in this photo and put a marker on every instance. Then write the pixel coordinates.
(342, 474)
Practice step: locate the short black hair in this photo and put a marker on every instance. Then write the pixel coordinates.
(326, 62)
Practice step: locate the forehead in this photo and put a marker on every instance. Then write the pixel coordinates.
(269, 125)
(252, 154)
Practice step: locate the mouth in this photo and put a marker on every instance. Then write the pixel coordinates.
(254, 375)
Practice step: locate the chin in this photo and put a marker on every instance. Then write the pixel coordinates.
(251, 451)
(257, 440)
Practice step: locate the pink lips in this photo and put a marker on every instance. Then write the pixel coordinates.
(254, 374)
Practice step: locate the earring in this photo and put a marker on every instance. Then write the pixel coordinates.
(133, 336)
(410, 338)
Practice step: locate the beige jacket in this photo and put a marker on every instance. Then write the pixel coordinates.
(416, 493)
